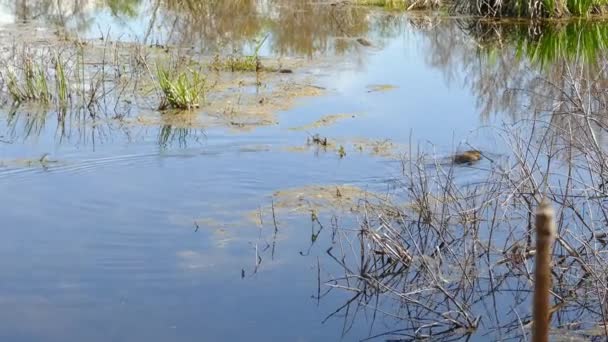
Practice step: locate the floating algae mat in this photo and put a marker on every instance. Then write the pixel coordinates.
(312, 199)
(345, 147)
(326, 120)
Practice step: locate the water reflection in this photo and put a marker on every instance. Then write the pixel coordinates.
(35, 125)
(516, 68)
(235, 24)
(507, 66)
(212, 25)
(511, 68)
(174, 132)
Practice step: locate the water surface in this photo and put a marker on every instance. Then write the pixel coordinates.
(100, 240)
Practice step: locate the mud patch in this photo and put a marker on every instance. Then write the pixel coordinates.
(374, 88)
(324, 121)
(176, 120)
(244, 111)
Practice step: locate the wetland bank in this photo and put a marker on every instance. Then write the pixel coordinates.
(284, 170)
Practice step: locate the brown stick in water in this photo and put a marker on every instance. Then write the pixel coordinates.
(545, 236)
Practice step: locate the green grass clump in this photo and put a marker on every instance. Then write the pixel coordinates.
(236, 63)
(32, 86)
(506, 8)
(241, 63)
(533, 8)
(182, 92)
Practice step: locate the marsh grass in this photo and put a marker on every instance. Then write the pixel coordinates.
(85, 79)
(235, 63)
(61, 83)
(530, 8)
(509, 8)
(184, 91)
(243, 63)
(54, 79)
(32, 85)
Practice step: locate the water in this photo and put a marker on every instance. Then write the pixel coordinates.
(100, 240)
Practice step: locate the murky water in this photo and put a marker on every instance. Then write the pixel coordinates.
(128, 232)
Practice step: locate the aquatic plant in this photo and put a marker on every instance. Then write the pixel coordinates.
(530, 8)
(236, 63)
(243, 63)
(341, 152)
(510, 8)
(61, 83)
(32, 86)
(185, 91)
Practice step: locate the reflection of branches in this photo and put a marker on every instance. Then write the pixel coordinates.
(227, 25)
(212, 23)
(501, 63)
(60, 12)
(236, 23)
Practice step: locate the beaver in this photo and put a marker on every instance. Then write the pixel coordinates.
(467, 157)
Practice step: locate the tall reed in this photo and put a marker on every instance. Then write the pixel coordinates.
(61, 83)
